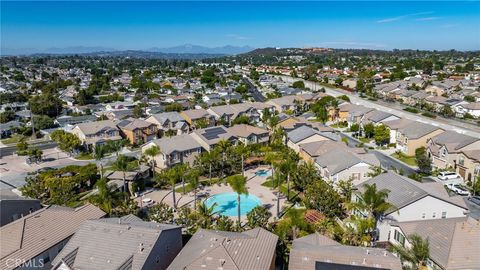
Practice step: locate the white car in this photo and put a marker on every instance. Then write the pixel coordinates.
(458, 189)
(448, 175)
(147, 202)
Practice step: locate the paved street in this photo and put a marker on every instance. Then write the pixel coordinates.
(257, 96)
(446, 124)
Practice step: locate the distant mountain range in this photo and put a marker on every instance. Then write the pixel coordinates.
(183, 49)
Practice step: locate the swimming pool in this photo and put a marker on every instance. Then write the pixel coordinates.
(227, 203)
(263, 173)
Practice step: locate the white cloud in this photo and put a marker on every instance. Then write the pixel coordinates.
(237, 37)
(398, 18)
(427, 19)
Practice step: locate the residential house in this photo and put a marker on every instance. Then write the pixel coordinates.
(453, 242)
(468, 164)
(444, 148)
(309, 151)
(208, 138)
(66, 121)
(138, 131)
(318, 252)
(471, 108)
(117, 114)
(412, 201)
(286, 104)
(378, 117)
(351, 113)
(305, 134)
(225, 114)
(175, 150)
(394, 125)
(7, 129)
(247, 134)
(350, 83)
(195, 116)
(13, 207)
(34, 240)
(169, 122)
(414, 135)
(120, 243)
(343, 164)
(97, 133)
(214, 250)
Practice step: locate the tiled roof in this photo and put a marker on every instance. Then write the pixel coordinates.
(212, 250)
(31, 235)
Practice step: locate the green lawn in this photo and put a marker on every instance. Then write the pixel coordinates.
(283, 188)
(364, 140)
(85, 156)
(410, 160)
(15, 138)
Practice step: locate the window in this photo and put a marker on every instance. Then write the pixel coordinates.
(461, 160)
(444, 214)
(399, 237)
(434, 215)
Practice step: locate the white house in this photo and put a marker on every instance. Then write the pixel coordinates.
(413, 201)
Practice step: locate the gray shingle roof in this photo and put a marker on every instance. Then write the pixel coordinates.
(178, 143)
(417, 130)
(170, 116)
(308, 250)
(454, 242)
(31, 235)
(404, 191)
(301, 133)
(97, 126)
(453, 140)
(209, 250)
(109, 243)
(342, 159)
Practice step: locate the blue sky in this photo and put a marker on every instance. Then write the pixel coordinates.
(141, 25)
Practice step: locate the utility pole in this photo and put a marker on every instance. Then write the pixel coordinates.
(34, 135)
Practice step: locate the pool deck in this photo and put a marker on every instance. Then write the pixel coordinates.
(254, 185)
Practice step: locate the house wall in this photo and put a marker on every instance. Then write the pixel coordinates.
(413, 144)
(468, 168)
(313, 138)
(165, 250)
(360, 170)
(44, 260)
(430, 206)
(78, 132)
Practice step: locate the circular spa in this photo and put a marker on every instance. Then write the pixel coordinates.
(226, 203)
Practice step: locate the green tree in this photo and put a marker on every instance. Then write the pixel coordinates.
(372, 202)
(193, 180)
(369, 130)
(355, 128)
(121, 164)
(298, 84)
(7, 116)
(160, 213)
(239, 185)
(99, 154)
(152, 152)
(423, 161)
(106, 197)
(46, 104)
(66, 141)
(258, 217)
(382, 135)
(322, 196)
(417, 254)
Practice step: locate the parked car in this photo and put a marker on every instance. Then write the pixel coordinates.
(147, 202)
(448, 175)
(475, 200)
(458, 189)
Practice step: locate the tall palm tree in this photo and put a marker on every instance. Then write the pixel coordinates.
(205, 214)
(192, 176)
(373, 202)
(239, 184)
(417, 254)
(223, 147)
(289, 166)
(121, 164)
(210, 159)
(274, 159)
(152, 152)
(106, 197)
(99, 154)
(173, 177)
(243, 151)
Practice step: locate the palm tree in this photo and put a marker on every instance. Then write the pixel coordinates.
(417, 254)
(243, 151)
(223, 147)
(172, 177)
(274, 159)
(99, 154)
(288, 166)
(106, 197)
(239, 184)
(209, 158)
(121, 164)
(206, 213)
(192, 176)
(152, 152)
(373, 202)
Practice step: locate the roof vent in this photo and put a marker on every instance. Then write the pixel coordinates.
(364, 261)
(385, 253)
(368, 251)
(140, 247)
(305, 258)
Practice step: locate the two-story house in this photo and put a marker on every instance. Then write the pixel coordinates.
(412, 201)
(444, 148)
(97, 133)
(175, 150)
(415, 135)
(197, 118)
(138, 131)
(468, 164)
(247, 134)
(167, 122)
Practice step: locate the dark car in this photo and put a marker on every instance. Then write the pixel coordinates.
(475, 200)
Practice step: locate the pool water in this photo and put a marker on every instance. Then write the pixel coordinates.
(263, 173)
(227, 203)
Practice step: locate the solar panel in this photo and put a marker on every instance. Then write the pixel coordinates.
(213, 133)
